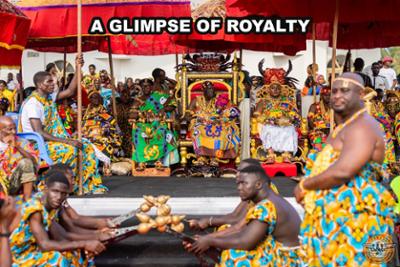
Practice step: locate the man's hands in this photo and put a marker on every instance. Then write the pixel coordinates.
(105, 234)
(299, 193)
(79, 60)
(94, 247)
(201, 245)
(10, 140)
(199, 224)
(74, 143)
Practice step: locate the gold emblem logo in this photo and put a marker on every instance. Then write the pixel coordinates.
(379, 249)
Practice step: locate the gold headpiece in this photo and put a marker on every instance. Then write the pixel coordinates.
(346, 81)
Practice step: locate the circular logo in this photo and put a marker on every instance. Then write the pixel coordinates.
(380, 248)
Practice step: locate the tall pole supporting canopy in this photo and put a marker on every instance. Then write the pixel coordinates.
(334, 43)
(314, 64)
(79, 89)
(110, 60)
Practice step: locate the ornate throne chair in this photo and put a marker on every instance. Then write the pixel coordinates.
(278, 76)
(226, 78)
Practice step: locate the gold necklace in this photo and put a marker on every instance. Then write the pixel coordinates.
(351, 119)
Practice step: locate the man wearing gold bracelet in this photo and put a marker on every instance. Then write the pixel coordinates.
(346, 206)
(269, 234)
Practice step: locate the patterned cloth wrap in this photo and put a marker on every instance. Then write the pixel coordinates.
(396, 125)
(102, 130)
(67, 154)
(214, 130)
(10, 160)
(24, 247)
(269, 253)
(320, 123)
(154, 141)
(338, 222)
(379, 113)
(66, 114)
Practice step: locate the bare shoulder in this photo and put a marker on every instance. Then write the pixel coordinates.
(366, 127)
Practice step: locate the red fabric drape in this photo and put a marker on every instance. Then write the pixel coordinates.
(13, 34)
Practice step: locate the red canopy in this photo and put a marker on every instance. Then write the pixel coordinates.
(362, 23)
(288, 44)
(13, 34)
(59, 33)
(362, 35)
(323, 10)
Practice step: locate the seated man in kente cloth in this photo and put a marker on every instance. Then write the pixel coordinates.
(269, 236)
(39, 114)
(392, 106)
(102, 130)
(378, 111)
(35, 241)
(318, 118)
(18, 161)
(278, 118)
(213, 127)
(153, 141)
(346, 205)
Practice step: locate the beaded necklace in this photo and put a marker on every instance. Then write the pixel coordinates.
(347, 122)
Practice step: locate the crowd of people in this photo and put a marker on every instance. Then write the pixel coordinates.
(344, 193)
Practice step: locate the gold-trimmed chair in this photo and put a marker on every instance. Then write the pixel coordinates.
(190, 78)
(257, 150)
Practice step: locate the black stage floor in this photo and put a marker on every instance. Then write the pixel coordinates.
(128, 186)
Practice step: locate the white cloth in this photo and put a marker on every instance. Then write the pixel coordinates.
(368, 70)
(280, 139)
(389, 74)
(33, 109)
(379, 82)
(244, 108)
(11, 85)
(3, 147)
(101, 156)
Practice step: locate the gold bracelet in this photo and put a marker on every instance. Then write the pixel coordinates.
(301, 185)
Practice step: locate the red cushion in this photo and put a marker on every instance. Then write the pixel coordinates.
(288, 169)
(197, 90)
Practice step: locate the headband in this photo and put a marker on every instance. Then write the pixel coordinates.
(346, 82)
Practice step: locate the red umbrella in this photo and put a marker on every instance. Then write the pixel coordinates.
(323, 10)
(288, 44)
(52, 35)
(13, 34)
(362, 35)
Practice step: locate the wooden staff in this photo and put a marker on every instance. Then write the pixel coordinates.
(65, 67)
(79, 88)
(334, 43)
(314, 85)
(110, 61)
